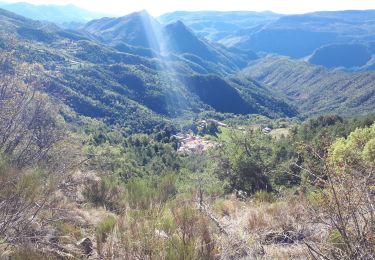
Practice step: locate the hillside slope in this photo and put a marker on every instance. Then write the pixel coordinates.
(314, 89)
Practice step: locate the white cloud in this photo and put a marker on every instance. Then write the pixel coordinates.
(157, 7)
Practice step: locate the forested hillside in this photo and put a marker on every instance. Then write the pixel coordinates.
(316, 90)
(106, 82)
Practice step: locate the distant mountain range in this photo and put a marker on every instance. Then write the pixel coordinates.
(216, 26)
(66, 15)
(139, 72)
(322, 38)
(343, 39)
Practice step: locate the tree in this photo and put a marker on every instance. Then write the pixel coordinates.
(357, 150)
(246, 161)
(34, 152)
(346, 204)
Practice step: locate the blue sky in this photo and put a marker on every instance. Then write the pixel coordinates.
(157, 7)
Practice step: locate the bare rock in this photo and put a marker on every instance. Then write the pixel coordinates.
(86, 245)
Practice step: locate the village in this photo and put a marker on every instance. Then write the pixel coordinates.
(189, 143)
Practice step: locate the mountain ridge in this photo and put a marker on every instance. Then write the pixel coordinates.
(99, 81)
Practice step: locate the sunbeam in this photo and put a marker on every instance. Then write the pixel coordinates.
(175, 97)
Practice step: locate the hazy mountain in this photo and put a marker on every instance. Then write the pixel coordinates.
(137, 29)
(141, 30)
(60, 14)
(326, 38)
(341, 55)
(315, 89)
(215, 26)
(180, 39)
(300, 35)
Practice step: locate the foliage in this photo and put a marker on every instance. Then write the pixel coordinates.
(246, 160)
(30, 126)
(251, 160)
(105, 193)
(263, 196)
(35, 153)
(103, 231)
(357, 148)
(105, 227)
(115, 152)
(345, 203)
(144, 193)
(23, 194)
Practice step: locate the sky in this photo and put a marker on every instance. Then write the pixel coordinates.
(158, 7)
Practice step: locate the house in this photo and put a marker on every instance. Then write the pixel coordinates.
(266, 130)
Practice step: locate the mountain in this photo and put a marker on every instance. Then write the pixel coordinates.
(322, 38)
(215, 26)
(136, 29)
(154, 73)
(300, 35)
(341, 55)
(127, 85)
(142, 30)
(180, 39)
(314, 89)
(59, 14)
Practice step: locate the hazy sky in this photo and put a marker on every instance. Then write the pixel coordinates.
(157, 7)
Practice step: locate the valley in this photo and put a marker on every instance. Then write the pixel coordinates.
(190, 135)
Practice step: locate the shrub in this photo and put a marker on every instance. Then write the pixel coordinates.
(142, 193)
(345, 202)
(66, 229)
(264, 196)
(106, 193)
(245, 160)
(224, 207)
(105, 227)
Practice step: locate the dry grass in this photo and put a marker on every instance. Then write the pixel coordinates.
(224, 207)
(154, 232)
(257, 220)
(252, 221)
(296, 252)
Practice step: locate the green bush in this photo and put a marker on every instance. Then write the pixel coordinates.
(264, 196)
(335, 238)
(105, 193)
(144, 192)
(104, 228)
